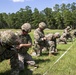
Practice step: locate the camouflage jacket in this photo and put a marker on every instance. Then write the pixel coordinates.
(38, 35)
(25, 39)
(67, 31)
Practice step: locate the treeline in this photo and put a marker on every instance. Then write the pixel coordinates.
(57, 18)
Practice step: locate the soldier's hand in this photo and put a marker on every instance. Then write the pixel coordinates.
(44, 38)
(19, 46)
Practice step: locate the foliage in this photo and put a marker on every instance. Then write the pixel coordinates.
(57, 18)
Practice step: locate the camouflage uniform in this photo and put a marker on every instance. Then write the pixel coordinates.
(53, 44)
(63, 38)
(7, 50)
(74, 33)
(56, 35)
(67, 32)
(39, 41)
(24, 57)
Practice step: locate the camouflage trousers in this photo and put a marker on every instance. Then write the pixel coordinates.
(50, 45)
(69, 36)
(38, 49)
(24, 60)
(14, 62)
(74, 33)
(62, 40)
(38, 46)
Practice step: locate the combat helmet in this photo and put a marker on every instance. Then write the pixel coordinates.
(9, 37)
(68, 27)
(42, 25)
(64, 34)
(49, 36)
(26, 27)
(57, 35)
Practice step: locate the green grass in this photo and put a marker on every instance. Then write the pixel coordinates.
(49, 61)
(65, 66)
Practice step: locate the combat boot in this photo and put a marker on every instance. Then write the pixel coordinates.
(51, 54)
(56, 51)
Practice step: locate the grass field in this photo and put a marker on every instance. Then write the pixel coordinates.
(65, 66)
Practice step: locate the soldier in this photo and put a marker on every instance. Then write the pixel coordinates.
(63, 39)
(56, 35)
(67, 29)
(52, 42)
(26, 43)
(39, 39)
(67, 32)
(8, 41)
(74, 33)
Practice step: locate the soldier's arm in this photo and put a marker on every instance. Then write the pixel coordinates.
(29, 44)
(24, 45)
(37, 37)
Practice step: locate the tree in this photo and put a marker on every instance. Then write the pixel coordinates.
(56, 8)
(3, 23)
(35, 18)
(48, 18)
(63, 7)
(59, 20)
(74, 19)
(67, 15)
(73, 6)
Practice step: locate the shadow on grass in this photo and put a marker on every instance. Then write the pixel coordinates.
(5, 73)
(26, 72)
(37, 74)
(45, 54)
(41, 60)
(61, 49)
